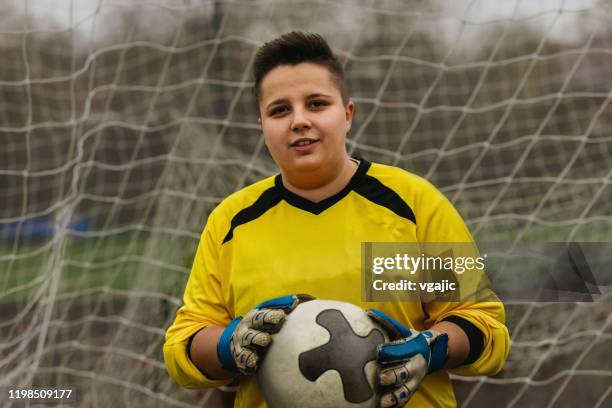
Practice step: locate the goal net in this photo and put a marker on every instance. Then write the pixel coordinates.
(124, 123)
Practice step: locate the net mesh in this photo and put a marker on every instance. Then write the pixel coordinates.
(123, 123)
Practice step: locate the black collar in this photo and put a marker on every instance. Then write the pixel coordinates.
(317, 208)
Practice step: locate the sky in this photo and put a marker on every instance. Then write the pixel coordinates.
(93, 19)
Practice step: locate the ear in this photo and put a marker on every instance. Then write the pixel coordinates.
(262, 132)
(349, 112)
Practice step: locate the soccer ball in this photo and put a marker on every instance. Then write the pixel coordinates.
(323, 356)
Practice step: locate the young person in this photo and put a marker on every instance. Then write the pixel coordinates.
(301, 232)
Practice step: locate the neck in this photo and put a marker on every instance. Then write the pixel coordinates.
(326, 186)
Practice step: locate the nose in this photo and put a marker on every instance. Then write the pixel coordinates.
(300, 120)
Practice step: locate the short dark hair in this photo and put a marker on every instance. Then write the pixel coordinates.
(294, 48)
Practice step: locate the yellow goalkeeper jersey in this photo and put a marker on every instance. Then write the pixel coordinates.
(265, 241)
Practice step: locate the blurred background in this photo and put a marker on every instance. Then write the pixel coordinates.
(124, 123)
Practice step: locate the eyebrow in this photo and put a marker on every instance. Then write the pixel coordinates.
(280, 101)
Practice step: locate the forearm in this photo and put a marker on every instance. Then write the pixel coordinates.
(203, 353)
(458, 343)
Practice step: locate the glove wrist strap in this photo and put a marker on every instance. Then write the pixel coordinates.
(224, 349)
(439, 353)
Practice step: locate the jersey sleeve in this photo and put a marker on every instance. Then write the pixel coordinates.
(439, 221)
(202, 306)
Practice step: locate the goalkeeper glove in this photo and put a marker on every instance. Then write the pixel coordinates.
(245, 339)
(406, 359)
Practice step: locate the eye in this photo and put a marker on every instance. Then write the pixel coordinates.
(278, 110)
(318, 104)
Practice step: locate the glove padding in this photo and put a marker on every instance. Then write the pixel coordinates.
(406, 359)
(243, 341)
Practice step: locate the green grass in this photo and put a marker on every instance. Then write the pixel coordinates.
(141, 261)
(122, 262)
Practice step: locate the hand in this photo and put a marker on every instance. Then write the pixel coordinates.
(406, 359)
(243, 341)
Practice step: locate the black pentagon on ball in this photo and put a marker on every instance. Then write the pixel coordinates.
(346, 352)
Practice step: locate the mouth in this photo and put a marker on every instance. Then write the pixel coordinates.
(303, 142)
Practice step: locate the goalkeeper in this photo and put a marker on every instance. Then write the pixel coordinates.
(301, 232)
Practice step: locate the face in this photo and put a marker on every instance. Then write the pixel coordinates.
(304, 120)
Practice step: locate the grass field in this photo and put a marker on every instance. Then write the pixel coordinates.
(123, 262)
(159, 262)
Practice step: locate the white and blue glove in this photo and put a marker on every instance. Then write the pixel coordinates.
(245, 339)
(406, 359)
